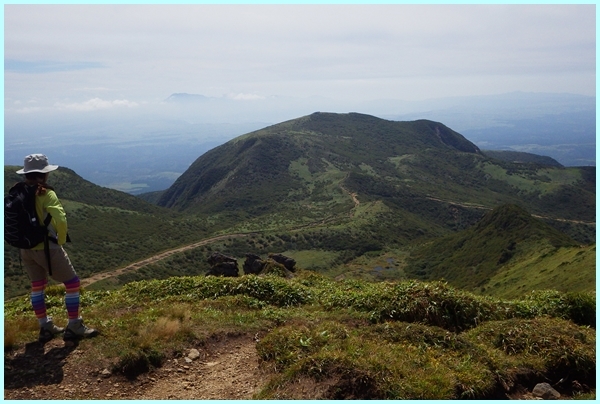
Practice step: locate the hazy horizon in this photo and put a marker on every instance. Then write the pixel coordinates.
(89, 75)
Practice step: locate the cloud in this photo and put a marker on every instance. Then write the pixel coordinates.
(342, 51)
(96, 104)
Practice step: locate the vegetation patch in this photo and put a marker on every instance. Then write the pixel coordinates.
(349, 339)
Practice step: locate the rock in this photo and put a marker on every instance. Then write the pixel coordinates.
(222, 265)
(253, 264)
(194, 354)
(545, 391)
(229, 269)
(218, 258)
(287, 262)
(105, 373)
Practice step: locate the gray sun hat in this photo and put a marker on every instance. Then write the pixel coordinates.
(36, 163)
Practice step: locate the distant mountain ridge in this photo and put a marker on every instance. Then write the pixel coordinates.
(344, 138)
(521, 157)
(424, 172)
(185, 97)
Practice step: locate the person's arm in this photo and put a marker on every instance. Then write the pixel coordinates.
(59, 218)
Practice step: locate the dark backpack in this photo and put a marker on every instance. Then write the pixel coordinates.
(21, 226)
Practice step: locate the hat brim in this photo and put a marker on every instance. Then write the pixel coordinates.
(44, 170)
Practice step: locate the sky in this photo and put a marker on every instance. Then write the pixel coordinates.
(76, 59)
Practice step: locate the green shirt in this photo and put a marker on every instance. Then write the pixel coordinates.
(49, 203)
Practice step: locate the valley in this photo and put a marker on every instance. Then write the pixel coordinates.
(163, 255)
(425, 269)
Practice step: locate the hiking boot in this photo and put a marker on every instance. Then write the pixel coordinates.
(49, 330)
(77, 330)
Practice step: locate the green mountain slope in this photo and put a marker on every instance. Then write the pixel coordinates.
(333, 191)
(431, 179)
(506, 251)
(521, 157)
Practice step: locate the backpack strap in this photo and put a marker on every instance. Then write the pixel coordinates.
(47, 252)
(47, 221)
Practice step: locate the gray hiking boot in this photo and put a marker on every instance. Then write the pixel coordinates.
(77, 330)
(49, 330)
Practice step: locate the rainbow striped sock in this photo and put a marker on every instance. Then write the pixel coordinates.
(38, 301)
(72, 298)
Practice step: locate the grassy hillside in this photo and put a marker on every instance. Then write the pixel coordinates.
(350, 195)
(376, 214)
(521, 157)
(469, 259)
(428, 177)
(108, 228)
(347, 340)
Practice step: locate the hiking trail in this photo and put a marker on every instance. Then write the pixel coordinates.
(227, 368)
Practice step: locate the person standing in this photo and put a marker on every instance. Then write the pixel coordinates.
(35, 261)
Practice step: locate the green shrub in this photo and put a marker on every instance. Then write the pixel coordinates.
(135, 362)
(548, 345)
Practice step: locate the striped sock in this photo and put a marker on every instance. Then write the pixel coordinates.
(72, 298)
(38, 301)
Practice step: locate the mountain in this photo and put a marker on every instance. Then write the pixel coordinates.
(428, 179)
(521, 157)
(334, 191)
(505, 237)
(559, 125)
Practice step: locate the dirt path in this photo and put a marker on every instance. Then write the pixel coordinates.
(231, 372)
(353, 195)
(225, 368)
(136, 265)
(476, 206)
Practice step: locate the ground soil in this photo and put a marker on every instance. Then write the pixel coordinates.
(227, 368)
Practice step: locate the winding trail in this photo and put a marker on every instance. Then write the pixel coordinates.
(477, 206)
(138, 264)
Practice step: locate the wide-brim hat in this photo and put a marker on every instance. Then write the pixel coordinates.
(36, 163)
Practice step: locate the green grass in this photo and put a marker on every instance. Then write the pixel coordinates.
(564, 269)
(543, 180)
(398, 340)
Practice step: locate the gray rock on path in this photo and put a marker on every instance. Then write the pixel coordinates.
(545, 391)
(193, 354)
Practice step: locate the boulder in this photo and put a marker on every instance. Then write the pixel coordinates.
(229, 269)
(253, 264)
(222, 265)
(545, 391)
(217, 258)
(287, 262)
